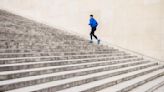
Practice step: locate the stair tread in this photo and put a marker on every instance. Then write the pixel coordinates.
(48, 52)
(149, 85)
(42, 62)
(78, 88)
(122, 85)
(68, 72)
(73, 59)
(48, 56)
(110, 48)
(161, 89)
(97, 83)
(51, 67)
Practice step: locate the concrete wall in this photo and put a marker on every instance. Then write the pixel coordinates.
(134, 24)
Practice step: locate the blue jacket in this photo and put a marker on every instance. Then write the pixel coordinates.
(93, 22)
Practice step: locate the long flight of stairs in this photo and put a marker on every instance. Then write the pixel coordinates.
(37, 58)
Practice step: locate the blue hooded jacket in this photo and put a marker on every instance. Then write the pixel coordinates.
(93, 22)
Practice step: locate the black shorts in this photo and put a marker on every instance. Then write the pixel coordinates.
(93, 29)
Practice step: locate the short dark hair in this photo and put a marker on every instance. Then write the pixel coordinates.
(91, 15)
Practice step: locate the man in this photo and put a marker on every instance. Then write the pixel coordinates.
(93, 23)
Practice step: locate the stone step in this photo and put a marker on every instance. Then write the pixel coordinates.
(55, 58)
(26, 52)
(42, 46)
(8, 33)
(7, 38)
(37, 43)
(112, 60)
(10, 84)
(49, 50)
(102, 84)
(44, 57)
(84, 80)
(47, 70)
(131, 85)
(34, 54)
(12, 32)
(53, 44)
(38, 37)
(113, 56)
(159, 89)
(21, 66)
(141, 81)
(150, 86)
(26, 37)
(66, 41)
(84, 71)
(7, 67)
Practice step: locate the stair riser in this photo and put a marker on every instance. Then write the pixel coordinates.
(86, 59)
(55, 78)
(12, 61)
(33, 38)
(7, 35)
(19, 67)
(140, 83)
(23, 39)
(54, 70)
(12, 76)
(155, 87)
(31, 44)
(38, 44)
(98, 88)
(40, 41)
(11, 32)
(54, 54)
(47, 50)
(16, 46)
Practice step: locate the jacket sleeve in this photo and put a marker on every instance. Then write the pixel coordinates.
(90, 22)
(96, 23)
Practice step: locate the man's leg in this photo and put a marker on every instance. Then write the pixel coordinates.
(98, 40)
(94, 35)
(91, 33)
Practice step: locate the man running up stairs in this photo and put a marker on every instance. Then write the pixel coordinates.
(37, 58)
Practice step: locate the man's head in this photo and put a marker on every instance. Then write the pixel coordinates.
(91, 16)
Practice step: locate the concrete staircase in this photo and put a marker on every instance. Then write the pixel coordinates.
(37, 58)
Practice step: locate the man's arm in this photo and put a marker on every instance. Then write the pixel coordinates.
(95, 22)
(90, 22)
